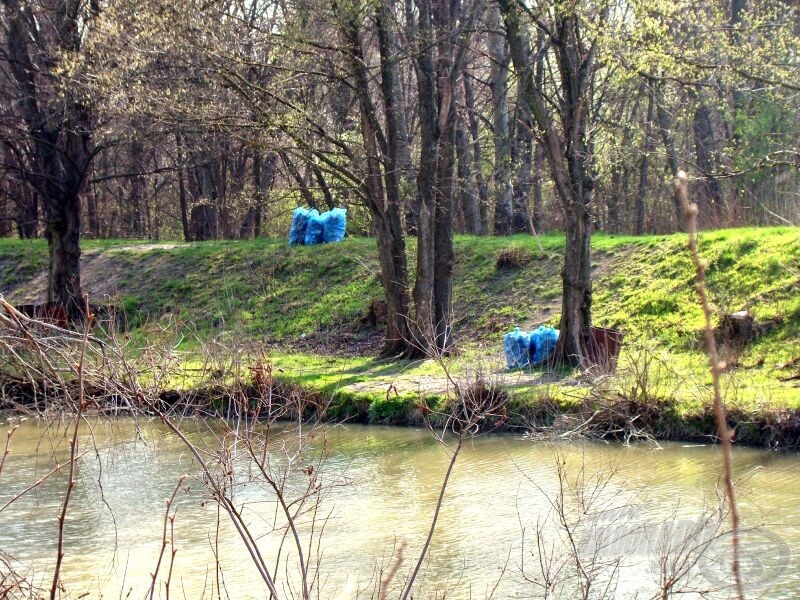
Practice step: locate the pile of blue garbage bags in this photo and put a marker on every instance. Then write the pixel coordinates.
(524, 349)
(310, 227)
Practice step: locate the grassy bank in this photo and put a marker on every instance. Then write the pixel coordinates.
(219, 307)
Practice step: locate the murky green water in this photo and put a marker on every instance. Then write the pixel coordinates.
(498, 531)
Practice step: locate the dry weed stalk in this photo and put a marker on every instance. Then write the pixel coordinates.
(717, 368)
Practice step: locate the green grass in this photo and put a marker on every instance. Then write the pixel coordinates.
(216, 296)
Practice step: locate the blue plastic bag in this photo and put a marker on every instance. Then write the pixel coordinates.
(297, 231)
(542, 342)
(335, 225)
(314, 229)
(515, 345)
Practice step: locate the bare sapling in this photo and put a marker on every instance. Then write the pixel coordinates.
(717, 368)
(474, 409)
(73, 452)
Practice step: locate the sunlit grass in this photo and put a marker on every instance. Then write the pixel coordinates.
(266, 296)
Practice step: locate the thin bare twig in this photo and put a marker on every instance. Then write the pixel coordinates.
(717, 367)
(168, 521)
(7, 449)
(439, 503)
(73, 451)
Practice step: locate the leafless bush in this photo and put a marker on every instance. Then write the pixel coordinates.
(39, 365)
(597, 532)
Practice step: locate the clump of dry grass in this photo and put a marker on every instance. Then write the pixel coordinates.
(514, 257)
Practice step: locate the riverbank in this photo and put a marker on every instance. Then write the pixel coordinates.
(208, 316)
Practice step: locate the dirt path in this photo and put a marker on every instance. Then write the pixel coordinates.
(102, 272)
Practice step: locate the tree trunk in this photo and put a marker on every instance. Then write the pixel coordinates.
(424, 321)
(467, 190)
(302, 184)
(503, 203)
(27, 205)
(263, 180)
(521, 221)
(522, 153)
(182, 196)
(63, 241)
(538, 167)
(483, 188)
(330, 202)
(644, 165)
(709, 190)
(570, 157)
(664, 124)
(383, 202)
(444, 255)
(60, 141)
(136, 210)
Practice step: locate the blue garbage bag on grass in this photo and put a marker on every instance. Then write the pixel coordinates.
(335, 225)
(314, 229)
(515, 345)
(297, 231)
(542, 342)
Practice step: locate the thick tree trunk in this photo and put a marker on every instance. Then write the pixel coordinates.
(570, 157)
(63, 240)
(383, 202)
(424, 320)
(444, 255)
(61, 144)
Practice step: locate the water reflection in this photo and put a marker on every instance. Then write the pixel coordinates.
(501, 494)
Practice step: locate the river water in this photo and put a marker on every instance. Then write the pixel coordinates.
(519, 518)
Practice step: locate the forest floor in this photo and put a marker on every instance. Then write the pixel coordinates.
(220, 306)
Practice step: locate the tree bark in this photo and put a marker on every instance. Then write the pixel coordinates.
(383, 201)
(503, 203)
(60, 142)
(644, 164)
(570, 157)
(538, 166)
(664, 123)
(182, 195)
(474, 129)
(467, 190)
